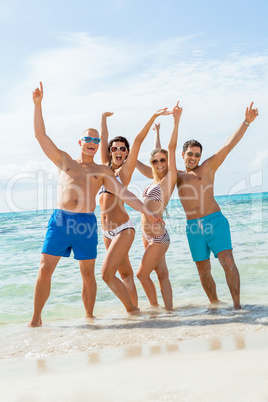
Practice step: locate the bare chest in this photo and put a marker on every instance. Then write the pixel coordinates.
(193, 182)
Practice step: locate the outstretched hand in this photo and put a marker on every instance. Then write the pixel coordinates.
(38, 94)
(251, 114)
(107, 114)
(177, 111)
(162, 112)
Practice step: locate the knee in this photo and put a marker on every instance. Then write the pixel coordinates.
(106, 275)
(127, 276)
(162, 276)
(88, 275)
(45, 271)
(228, 263)
(140, 275)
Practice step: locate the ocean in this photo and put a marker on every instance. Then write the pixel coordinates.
(65, 330)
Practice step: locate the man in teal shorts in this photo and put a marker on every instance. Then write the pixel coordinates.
(73, 224)
(207, 229)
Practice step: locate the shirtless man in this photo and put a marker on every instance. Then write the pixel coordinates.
(73, 224)
(207, 229)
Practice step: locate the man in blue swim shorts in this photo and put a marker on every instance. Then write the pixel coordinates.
(207, 229)
(73, 225)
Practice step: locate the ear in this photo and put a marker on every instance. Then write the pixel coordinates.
(182, 154)
(80, 142)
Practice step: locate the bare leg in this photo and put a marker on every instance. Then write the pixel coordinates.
(47, 266)
(126, 273)
(209, 286)
(89, 289)
(151, 258)
(232, 275)
(165, 285)
(117, 251)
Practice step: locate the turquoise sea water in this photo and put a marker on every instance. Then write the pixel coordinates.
(21, 240)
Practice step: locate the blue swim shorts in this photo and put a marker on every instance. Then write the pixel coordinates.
(209, 233)
(72, 231)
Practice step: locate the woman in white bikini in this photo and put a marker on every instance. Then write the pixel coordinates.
(155, 237)
(118, 230)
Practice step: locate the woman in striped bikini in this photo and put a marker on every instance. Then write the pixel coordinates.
(155, 237)
(118, 230)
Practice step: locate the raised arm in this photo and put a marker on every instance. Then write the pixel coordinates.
(104, 138)
(217, 159)
(157, 142)
(47, 145)
(127, 169)
(129, 198)
(177, 112)
(144, 169)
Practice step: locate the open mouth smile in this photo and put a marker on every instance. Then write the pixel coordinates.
(119, 158)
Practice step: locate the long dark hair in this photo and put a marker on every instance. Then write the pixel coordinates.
(115, 139)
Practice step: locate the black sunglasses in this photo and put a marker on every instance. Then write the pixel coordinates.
(156, 161)
(196, 154)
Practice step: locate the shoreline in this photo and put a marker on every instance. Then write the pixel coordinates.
(212, 368)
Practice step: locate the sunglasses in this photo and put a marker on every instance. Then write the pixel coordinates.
(156, 161)
(197, 154)
(122, 149)
(89, 139)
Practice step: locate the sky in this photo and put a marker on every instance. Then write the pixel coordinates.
(131, 58)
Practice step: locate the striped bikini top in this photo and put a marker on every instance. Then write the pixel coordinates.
(154, 193)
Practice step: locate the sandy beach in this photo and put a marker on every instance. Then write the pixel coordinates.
(214, 368)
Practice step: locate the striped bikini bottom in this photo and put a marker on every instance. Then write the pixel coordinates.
(164, 238)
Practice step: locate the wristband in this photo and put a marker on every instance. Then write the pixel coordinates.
(246, 123)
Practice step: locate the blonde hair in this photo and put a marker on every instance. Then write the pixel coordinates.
(153, 153)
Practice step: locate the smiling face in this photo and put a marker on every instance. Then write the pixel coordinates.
(118, 153)
(159, 163)
(191, 157)
(89, 148)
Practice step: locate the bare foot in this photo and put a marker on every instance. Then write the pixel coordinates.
(35, 324)
(135, 310)
(90, 317)
(237, 307)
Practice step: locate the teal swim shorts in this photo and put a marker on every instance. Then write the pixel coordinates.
(209, 233)
(69, 231)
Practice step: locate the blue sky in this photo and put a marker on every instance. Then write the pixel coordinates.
(131, 57)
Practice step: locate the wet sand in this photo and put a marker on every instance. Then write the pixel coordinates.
(212, 368)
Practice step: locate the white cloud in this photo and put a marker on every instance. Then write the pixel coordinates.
(260, 161)
(86, 76)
